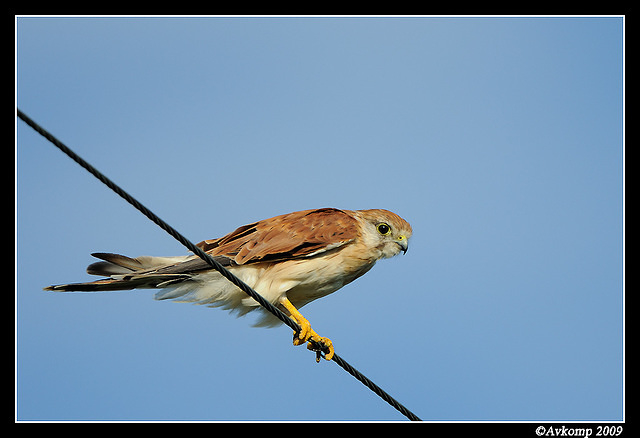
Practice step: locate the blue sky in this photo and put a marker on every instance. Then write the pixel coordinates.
(499, 139)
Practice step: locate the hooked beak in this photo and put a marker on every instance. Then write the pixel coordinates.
(403, 243)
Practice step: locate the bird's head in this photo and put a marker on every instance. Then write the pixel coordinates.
(385, 231)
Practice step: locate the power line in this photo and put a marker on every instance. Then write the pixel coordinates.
(214, 264)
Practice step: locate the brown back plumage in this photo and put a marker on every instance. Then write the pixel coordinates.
(298, 234)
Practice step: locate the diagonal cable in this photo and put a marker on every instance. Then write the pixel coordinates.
(214, 264)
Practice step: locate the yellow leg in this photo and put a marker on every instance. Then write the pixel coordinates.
(306, 334)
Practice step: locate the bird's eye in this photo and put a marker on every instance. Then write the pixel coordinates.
(383, 229)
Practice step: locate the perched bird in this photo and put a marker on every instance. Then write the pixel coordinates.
(290, 260)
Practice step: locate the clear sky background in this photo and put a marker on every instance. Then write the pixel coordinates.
(499, 139)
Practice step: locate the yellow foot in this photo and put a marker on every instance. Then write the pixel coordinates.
(306, 334)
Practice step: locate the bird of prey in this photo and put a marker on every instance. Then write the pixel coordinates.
(290, 260)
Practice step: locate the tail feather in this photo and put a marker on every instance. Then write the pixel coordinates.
(113, 264)
(113, 284)
(126, 273)
(184, 279)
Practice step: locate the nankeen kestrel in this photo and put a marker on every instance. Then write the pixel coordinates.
(290, 260)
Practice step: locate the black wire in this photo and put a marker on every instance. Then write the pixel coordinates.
(217, 266)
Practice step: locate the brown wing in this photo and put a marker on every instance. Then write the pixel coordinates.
(299, 234)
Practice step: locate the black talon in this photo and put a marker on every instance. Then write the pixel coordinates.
(319, 348)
